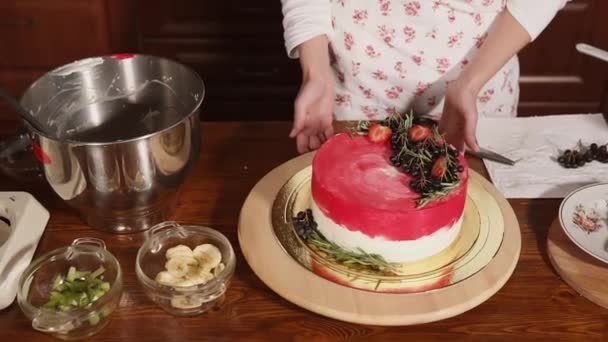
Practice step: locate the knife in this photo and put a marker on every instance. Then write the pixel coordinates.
(484, 153)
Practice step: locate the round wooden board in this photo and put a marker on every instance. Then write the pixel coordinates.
(585, 274)
(290, 280)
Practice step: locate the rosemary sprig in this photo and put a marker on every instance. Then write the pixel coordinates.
(406, 121)
(435, 195)
(436, 134)
(362, 128)
(348, 257)
(422, 156)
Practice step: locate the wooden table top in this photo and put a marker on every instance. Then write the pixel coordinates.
(534, 304)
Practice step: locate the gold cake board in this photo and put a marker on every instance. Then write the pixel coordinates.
(297, 284)
(584, 273)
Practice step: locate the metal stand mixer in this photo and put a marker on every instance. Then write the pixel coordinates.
(117, 137)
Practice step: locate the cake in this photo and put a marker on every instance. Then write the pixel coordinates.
(392, 190)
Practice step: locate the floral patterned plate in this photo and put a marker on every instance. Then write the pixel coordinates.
(583, 215)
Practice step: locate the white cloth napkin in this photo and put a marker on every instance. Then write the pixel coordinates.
(535, 144)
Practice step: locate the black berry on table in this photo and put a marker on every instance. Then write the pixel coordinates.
(582, 155)
(588, 157)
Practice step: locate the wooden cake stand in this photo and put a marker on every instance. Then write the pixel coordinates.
(297, 284)
(585, 274)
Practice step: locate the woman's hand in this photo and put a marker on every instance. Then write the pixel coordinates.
(313, 114)
(314, 105)
(459, 119)
(505, 38)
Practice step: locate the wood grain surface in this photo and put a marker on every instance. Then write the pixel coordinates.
(535, 304)
(586, 274)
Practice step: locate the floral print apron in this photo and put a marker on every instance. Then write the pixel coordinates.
(393, 56)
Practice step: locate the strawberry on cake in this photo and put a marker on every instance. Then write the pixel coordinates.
(392, 190)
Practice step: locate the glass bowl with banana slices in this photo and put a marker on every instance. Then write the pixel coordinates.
(185, 269)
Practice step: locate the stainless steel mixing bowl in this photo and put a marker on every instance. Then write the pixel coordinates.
(120, 135)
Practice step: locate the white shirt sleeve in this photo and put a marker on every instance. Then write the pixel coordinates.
(534, 15)
(304, 20)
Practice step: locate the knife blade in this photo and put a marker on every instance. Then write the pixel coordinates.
(484, 153)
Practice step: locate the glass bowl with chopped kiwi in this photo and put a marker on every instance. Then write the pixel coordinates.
(185, 269)
(71, 292)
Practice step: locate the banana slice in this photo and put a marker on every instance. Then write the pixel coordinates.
(180, 265)
(205, 276)
(198, 275)
(201, 279)
(219, 268)
(208, 256)
(185, 302)
(185, 282)
(186, 267)
(180, 250)
(166, 278)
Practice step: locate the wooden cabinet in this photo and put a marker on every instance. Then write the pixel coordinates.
(245, 81)
(237, 47)
(39, 35)
(43, 34)
(204, 18)
(555, 78)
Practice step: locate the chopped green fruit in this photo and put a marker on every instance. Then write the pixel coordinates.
(56, 296)
(83, 300)
(98, 272)
(71, 274)
(51, 304)
(92, 294)
(79, 289)
(77, 285)
(105, 286)
(94, 319)
(57, 282)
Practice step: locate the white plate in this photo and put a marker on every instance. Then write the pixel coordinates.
(589, 201)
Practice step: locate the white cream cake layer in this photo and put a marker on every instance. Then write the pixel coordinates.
(391, 251)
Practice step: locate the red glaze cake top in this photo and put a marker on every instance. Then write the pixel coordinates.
(355, 184)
